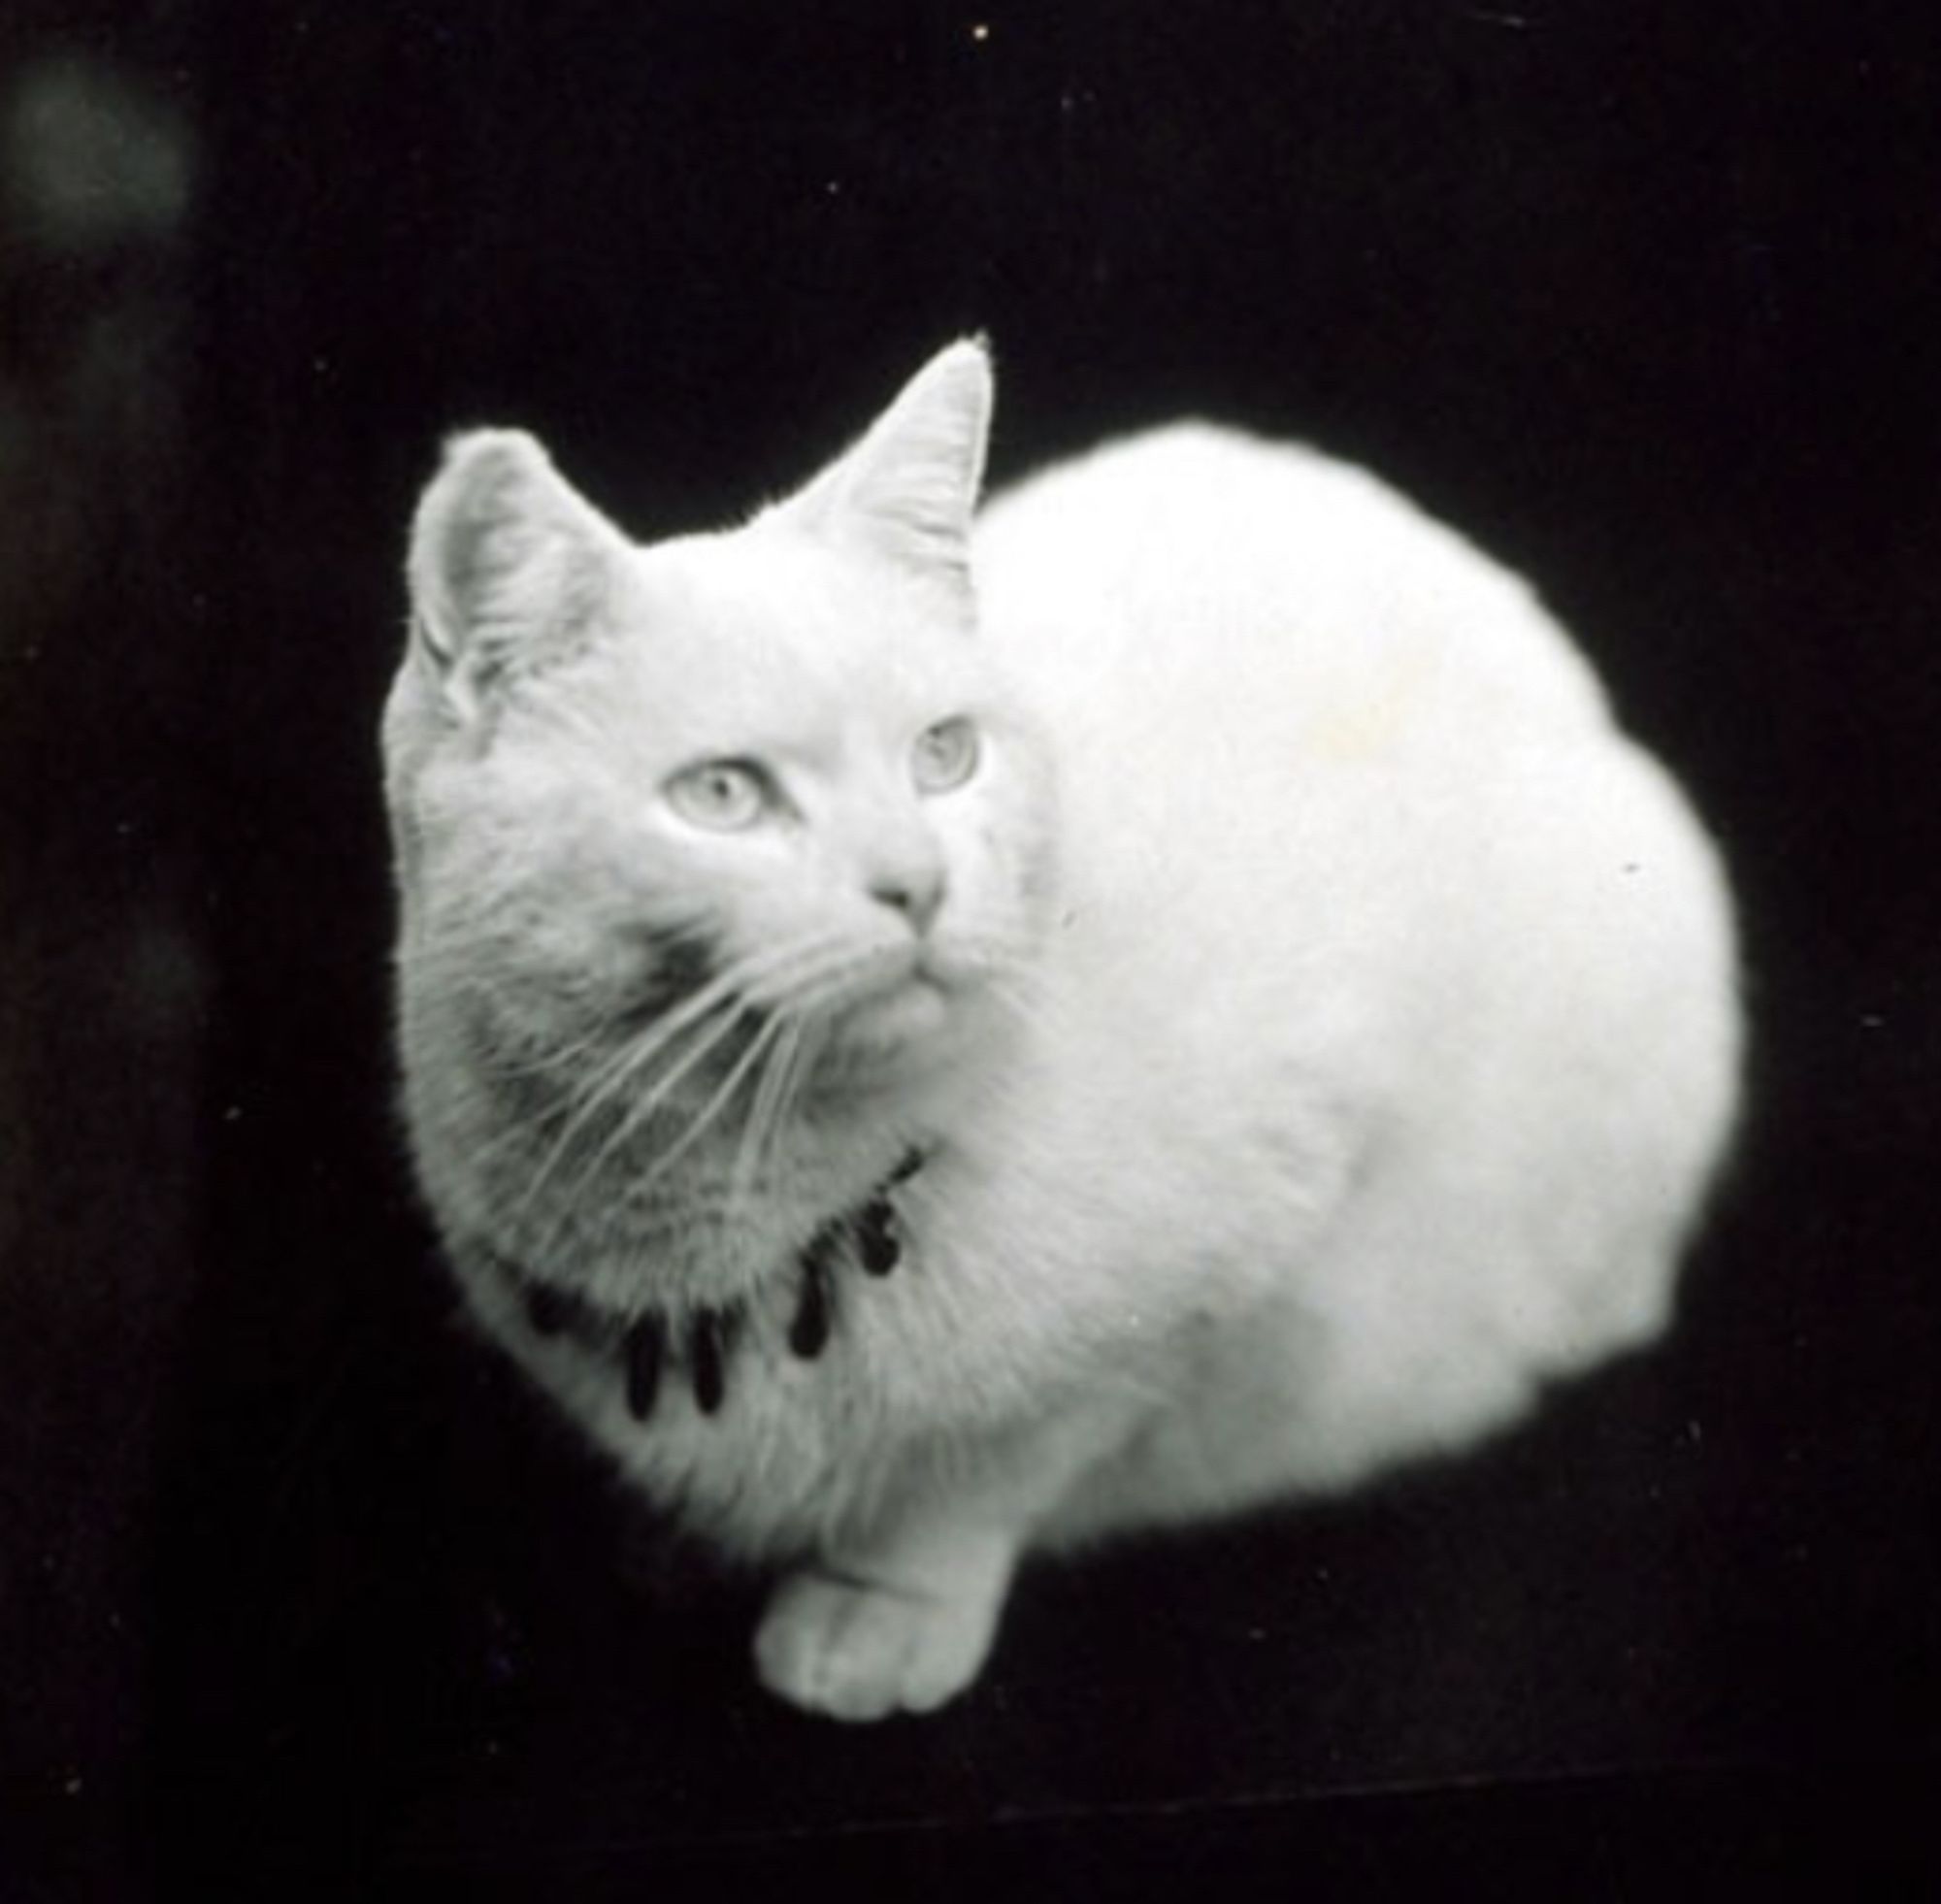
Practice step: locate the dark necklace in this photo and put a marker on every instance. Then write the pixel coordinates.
(701, 1342)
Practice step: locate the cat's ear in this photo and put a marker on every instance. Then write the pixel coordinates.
(908, 489)
(510, 566)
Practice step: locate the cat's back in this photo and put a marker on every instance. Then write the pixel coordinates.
(1267, 670)
(1198, 572)
(1316, 741)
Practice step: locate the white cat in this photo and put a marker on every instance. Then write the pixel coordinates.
(935, 1042)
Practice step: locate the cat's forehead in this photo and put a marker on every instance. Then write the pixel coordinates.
(764, 623)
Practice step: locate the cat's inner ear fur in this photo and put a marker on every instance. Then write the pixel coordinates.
(908, 489)
(509, 567)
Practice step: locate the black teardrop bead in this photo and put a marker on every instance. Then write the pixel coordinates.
(646, 1350)
(877, 1245)
(548, 1310)
(911, 1163)
(706, 1356)
(808, 1334)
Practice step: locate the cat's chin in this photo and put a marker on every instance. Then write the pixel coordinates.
(904, 1031)
(909, 1017)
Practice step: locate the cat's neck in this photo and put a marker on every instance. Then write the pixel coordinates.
(673, 1210)
(640, 1341)
(681, 1207)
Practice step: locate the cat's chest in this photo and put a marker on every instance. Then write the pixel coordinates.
(758, 1412)
(651, 1334)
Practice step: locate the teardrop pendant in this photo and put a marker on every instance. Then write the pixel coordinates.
(707, 1365)
(877, 1246)
(646, 1350)
(808, 1333)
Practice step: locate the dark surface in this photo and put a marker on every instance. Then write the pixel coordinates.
(299, 1594)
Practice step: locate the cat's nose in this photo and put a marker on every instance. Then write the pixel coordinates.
(916, 891)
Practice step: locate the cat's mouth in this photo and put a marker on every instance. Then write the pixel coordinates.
(907, 1002)
(903, 1004)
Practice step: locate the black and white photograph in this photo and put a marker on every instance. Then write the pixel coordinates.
(968, 950)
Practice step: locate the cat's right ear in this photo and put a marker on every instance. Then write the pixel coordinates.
(510, 566)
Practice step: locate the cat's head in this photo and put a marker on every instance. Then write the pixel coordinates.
(772, 768)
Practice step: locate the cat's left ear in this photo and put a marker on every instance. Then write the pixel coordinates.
(908, 489)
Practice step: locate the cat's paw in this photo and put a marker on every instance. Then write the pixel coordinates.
(858, 1650)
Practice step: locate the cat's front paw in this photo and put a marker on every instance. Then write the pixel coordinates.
(858, 1649)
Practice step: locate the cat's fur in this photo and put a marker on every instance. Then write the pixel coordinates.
(1330, 1034)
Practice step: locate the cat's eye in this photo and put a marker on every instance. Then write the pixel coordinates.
(945, 755)
(722, 795)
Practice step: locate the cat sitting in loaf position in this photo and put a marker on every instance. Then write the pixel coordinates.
(934, 1034)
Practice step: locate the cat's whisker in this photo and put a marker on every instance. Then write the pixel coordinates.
(1007, 975)
(611, 1079)
(833, 986)
(688, 1036)
(703, 1119)
(771, 1094)
(740, 1170)
(824, 958)
(565, 1063)
(1028, 1011)
(807, 1053)
(701, 1021)
(1000, 951)
(589, 1065)
(730, 983)
(706, 1036)
(563, 1068)
(801, 1009)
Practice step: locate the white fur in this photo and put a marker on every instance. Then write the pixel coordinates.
(1374, 1041)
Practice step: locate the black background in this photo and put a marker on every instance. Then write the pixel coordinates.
(298, 1592)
